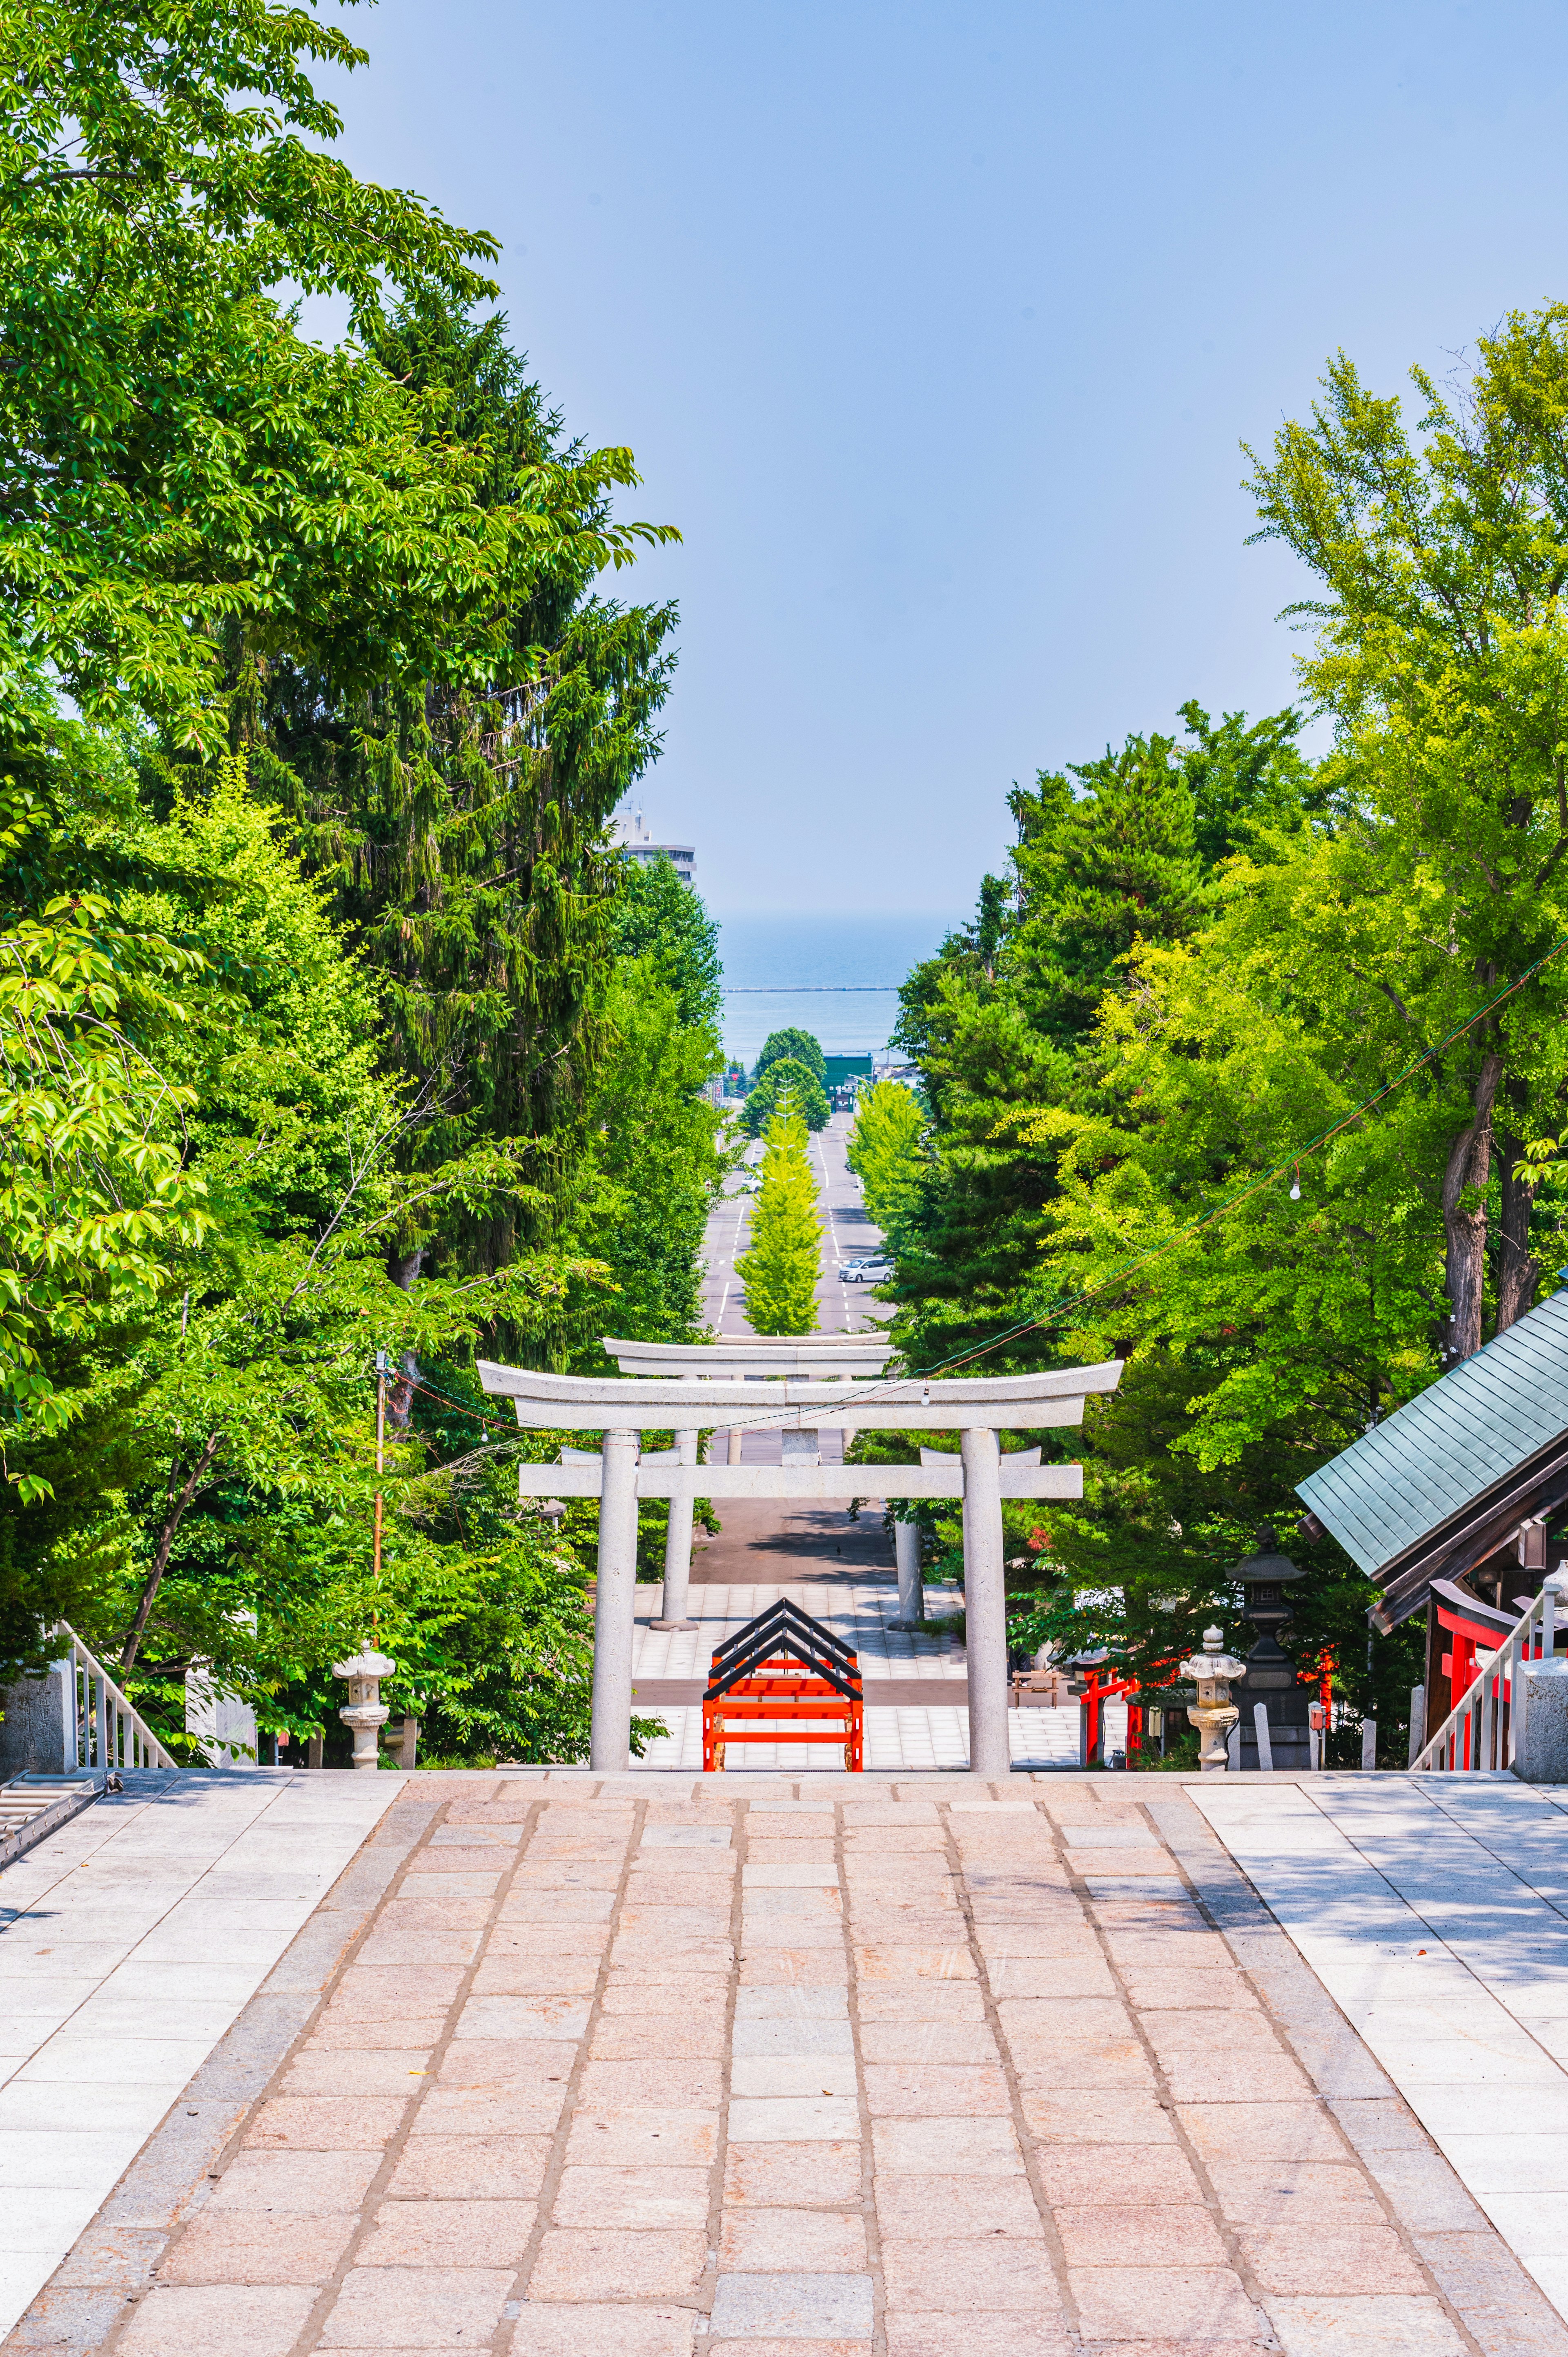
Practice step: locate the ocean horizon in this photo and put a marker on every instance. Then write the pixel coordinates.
(837, 976)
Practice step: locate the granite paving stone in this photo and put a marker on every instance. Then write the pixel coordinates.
(981, 2072)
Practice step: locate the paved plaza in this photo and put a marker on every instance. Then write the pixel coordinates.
(658, 2065)
(787, 2062)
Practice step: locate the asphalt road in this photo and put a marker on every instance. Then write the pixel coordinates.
(765, 1540)
(847, 1230)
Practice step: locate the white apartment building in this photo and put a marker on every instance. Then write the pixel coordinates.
(632, 834)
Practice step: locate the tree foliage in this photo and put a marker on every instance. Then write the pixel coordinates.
(786, 1081)
(1254, 1072)
(322, 1027)
(799, 1047)
(175, 458)
(884, 1150)
(782, 1263)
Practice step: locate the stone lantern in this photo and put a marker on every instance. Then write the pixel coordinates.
(1270, 1675)
(1213, 1714)
(366, 1713)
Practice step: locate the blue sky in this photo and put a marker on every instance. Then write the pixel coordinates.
(936, 331)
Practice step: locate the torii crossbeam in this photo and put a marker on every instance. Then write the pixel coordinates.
(622, 1409)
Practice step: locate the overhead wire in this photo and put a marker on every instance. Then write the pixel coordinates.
(1058, 1311)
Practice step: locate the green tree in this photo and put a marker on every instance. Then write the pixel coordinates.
(1441, 553)
(785, 1081)
(462, 831)
(654, 1165)
(655, 916)
(224, 1514)
(1000, 1021)
(177, 461)
(1112, 862)
(884, 1150)
(782, 1265)
(799, 1047)
(94, 1187)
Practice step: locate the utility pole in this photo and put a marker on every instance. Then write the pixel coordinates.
(383, 1368)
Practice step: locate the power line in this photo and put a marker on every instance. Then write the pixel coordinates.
(1059, 1310)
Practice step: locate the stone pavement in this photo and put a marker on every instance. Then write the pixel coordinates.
(764, 2067)
(130, 1942)
(1434, 1911)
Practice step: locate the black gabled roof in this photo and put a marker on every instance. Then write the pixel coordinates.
(784, 1631)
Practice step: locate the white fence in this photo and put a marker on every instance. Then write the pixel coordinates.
(1481, 1733)
(103, 1731)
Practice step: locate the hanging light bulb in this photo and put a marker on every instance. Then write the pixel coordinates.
(1295, 1184)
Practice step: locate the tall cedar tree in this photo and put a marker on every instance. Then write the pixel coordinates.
(464, 833)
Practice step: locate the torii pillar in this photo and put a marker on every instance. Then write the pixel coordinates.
(975, 1408)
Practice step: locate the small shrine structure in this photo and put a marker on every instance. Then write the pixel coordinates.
(1451, 1505)
(622, 1408)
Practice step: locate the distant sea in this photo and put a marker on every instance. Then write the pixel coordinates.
(786, 972)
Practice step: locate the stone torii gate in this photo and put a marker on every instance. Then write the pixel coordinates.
(622, 1409)
(819, 1354)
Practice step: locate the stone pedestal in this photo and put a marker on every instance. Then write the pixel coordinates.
(1269, 1678)
(365, 1714)
(1540, 1754)
(37, 1733)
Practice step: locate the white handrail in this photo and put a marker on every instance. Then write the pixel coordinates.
(104, 1732)
(1481, 1733)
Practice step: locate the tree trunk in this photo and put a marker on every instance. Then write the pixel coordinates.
(172, 1521)
(1518, 1271)
(1465, 1224)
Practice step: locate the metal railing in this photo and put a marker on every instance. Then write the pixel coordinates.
(1481, 1733)
(104, 1732)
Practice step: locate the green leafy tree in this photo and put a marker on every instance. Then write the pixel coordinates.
(656, 917)
(782, 1264)
(1113, 862)
(1441, 552)
(1001, 1022)
(785, 1081)
(798, 1046)
(177, 461)
(884, 1150)
(94, 1187)
(654, 1166)
(226, 1517)
(463, 831)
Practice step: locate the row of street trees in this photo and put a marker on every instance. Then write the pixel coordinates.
(1209, 953)
(330, 1022)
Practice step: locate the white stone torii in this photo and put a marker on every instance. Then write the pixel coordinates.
(622, 1409)
(753, 1355)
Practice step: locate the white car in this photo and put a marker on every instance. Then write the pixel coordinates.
(872, 1270)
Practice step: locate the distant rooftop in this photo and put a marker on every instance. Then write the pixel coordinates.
(1450, 1445)
(632, 834)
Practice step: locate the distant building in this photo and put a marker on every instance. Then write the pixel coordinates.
(632, 834)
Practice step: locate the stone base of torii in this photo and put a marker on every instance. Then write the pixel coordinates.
(622, 1408)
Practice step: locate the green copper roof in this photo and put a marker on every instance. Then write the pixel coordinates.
(1449, 1444)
